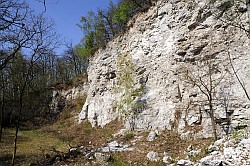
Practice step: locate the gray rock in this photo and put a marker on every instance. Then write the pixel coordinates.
(167, 159)
(153, 156)
(212, 148)
(184, 163)
(158, 37)
(113, 144)
(206, 160)
(116, 147)
(152, 135)
(102, 157)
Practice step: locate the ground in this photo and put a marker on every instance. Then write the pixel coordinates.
(34, 144)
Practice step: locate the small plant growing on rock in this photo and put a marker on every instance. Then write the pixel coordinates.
(129, 135)
(128, 105)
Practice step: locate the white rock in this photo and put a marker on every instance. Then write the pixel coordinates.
(184, 163)
(113, 144)
(101, 157)
(219, 142)
(152, 135)
(228, 152)
(153, 156)
(194, 153)
(116, 147)
(152, 42)
(166, 159)
(206, 160)
(245, 143)
(212, 148)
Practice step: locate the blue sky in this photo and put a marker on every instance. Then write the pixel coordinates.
(66, 14)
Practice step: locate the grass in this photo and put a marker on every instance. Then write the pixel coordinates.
(129, 136)
(32, 145)
(67, 129)
(118, 162)
(83, 134)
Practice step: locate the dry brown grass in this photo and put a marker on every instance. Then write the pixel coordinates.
(33, 144)
(67, 129)
(82, 134)
(168, 142)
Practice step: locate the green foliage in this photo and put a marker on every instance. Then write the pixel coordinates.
(95, 34)
(137, 92)
(240, 127)
(87, 47)
(237, 134)
(43, 73)
(126, 70)
(123, 12)
(87, 23)
(129, 135)
(100, 27)
(240, 131)
(125, 83)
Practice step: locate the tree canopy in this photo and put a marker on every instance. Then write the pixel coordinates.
(100, 27)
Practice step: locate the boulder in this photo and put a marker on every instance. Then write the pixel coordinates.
(153, 156)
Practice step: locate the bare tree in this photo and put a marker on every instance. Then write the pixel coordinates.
(75, 61)
(36, 38)
(22, 90)
(207, 79)
(2, 90)
(238, 16)
(27, 75)
(19, 29)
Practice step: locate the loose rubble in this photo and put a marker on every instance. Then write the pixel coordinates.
(116, 147)
(90, 155)
(227, 151)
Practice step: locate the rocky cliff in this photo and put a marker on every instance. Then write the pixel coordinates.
(172, 61)
(63, 95)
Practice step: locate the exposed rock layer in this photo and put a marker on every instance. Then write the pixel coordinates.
(172, 37)
(63, 96)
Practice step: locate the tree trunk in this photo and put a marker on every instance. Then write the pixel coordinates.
(236, 75)
(211, 114)
(248, 12)
(210, 99)
(15, 141)
(18, 119)
(1, 118)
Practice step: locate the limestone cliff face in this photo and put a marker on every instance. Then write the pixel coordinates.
(61, 96)
(161, 52)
